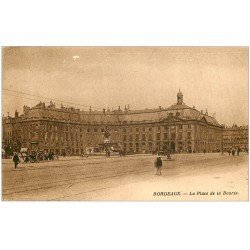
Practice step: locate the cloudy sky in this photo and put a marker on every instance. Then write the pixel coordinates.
(212, 78)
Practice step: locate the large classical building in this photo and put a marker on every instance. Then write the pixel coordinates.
(235, 137)
(70, 130)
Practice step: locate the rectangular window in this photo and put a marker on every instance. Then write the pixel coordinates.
(124, 137)
(172, 136)
(150, 137)
(180, 136)
(165, 136)
(131, 137)
(180, 126)
(189, 135)
(137, 137)
(143, 137)
(158, 136)
(189, 126)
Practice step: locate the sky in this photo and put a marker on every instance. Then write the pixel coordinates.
(212, 78)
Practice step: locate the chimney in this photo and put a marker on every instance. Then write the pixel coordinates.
(206, 112)
(16, 114)
(104, 111)
(193, 107)
(201, 111)
(159, 107)
(90, 109)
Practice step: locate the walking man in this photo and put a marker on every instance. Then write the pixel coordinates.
(233, 152)
(158, 165)
(238, 151)
(16, 160)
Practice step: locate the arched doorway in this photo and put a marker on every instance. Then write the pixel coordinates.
(172, 146)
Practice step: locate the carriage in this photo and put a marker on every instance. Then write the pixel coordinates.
(35, 155)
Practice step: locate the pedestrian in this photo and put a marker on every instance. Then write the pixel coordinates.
(158, 165)
(229, 152)
(16, 160)
(233, 151)
(204, 151)
(238, 151)
(52, 156)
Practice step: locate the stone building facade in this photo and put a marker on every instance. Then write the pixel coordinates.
(235, 137)
(71, 131)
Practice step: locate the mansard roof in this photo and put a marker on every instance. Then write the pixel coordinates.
(180, 111)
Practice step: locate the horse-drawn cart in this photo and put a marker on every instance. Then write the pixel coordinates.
(35, 155)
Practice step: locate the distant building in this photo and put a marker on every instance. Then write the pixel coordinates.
(235, 136)
(69, 130)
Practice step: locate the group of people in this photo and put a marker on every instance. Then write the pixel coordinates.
(234, 151)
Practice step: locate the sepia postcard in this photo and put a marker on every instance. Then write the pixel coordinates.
(125, 123)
